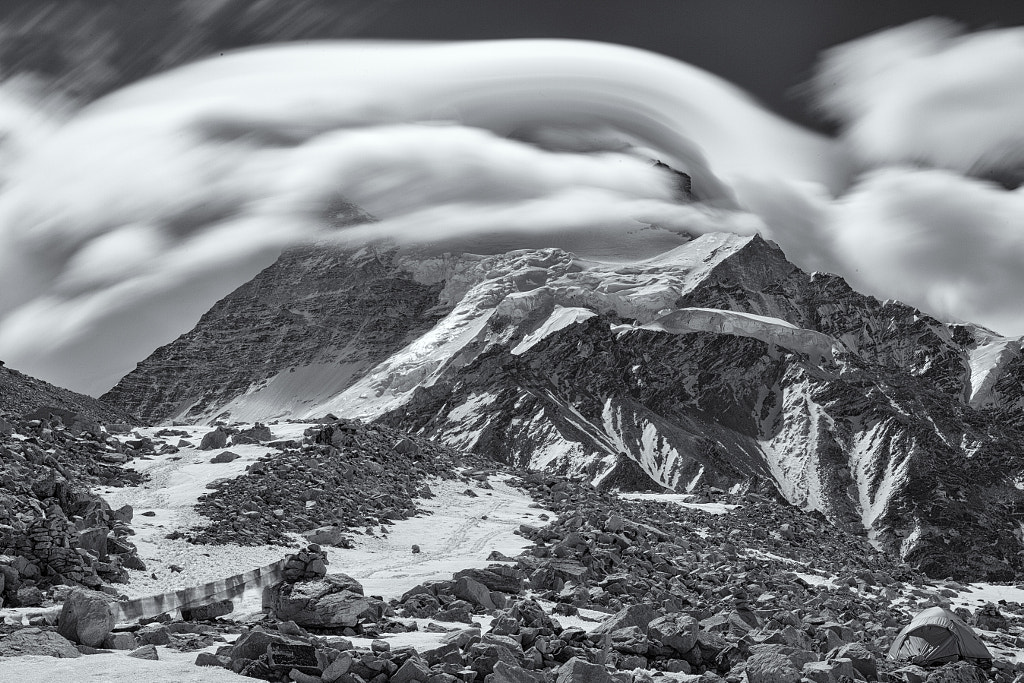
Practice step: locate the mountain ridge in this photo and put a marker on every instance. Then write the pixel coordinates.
(717, 363)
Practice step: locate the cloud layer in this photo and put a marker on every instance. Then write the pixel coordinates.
(122, 223)
(929, 93)
(135, 215)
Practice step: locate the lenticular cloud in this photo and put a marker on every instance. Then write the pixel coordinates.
(122, 222)
(929, 93)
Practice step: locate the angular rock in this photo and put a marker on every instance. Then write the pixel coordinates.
(223, 457)
(496, 578)
(414, 670)
(210, 659)
(676, 631)
(329, 602)
(208, 611)
(338, 668)
(863, 660)
(578, 670)
(145, 652)
(640, 615)
(120, 641)
(771, 667)
(473, 591)
(957, 672)
(33, 641)
(507, 673)
(87, 617)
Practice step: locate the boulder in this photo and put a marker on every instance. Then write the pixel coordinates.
(828, 672)
(33, 641)
(957, 672)
(507, 673)
(414, 670)
(338, 668)
(87, 617)
(224, 456)
(578, 670)
(258, 433)
(771, 667)
(218, 438)
(640, 615)
(676, 631)
(95, 541)
(989, 618)
(863, 659)
(153, 634)
(120, 641)
(328, 535)
(254, 644)
(211, 659)
(474, 592)
(209, 611)
(144, 652)
(496, 578)
(327, 602)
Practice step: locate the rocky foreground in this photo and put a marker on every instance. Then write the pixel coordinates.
(53, 529)
(735, 586)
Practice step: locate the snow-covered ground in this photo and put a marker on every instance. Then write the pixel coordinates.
(460, 532)
(115, 667)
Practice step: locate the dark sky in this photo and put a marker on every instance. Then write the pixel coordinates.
(767, 47)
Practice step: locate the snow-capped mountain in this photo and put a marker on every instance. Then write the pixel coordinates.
(715, 363)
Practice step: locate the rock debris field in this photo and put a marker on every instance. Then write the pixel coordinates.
(408, 562)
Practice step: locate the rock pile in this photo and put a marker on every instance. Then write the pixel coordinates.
(22, 395)
(53, 529)
(681, 593)
(343, 477)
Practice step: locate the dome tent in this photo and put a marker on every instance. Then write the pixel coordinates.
(936, 636)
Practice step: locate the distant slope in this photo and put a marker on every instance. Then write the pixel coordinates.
(21, 394)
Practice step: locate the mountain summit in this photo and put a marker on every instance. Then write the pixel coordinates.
(716, 363)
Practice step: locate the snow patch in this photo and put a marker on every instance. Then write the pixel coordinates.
(559, 319)
(685, 500)
(986, 360)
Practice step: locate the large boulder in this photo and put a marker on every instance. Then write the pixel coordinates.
(87, 617)
(639, 615)
(472, 591)
(33, 641)
(772, 667)
(676, 631)
(218, 438)
(578, 670)
(989, 618)
(507, 673)
(334, 601)
(497, 578)
(863, 659)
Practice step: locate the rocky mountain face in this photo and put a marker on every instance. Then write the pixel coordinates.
(306, 328)
(22, 395)
(715, 364)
